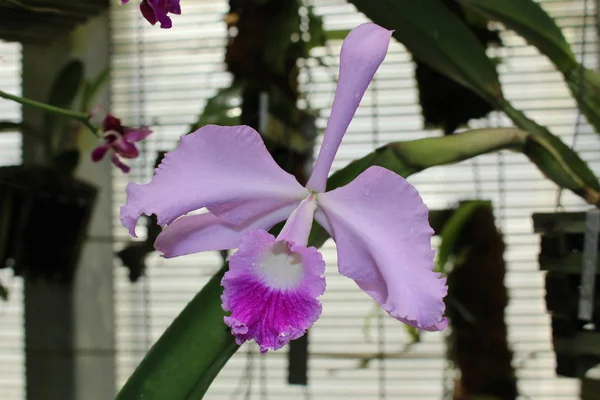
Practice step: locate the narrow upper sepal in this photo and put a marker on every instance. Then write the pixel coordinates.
(380, 226)
(224, 168)
(362, 52)
(271, 290)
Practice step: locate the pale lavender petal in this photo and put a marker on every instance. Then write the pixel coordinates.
(271, 290)
(99, 152)
(204, 232)
(380, 226)
(136, 134)
(224, 168)
(362, 52)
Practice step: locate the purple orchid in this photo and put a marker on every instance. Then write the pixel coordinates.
(378, 221)
(158, 11)
(120, 140)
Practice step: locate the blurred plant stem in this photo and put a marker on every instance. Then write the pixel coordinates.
(84, 118)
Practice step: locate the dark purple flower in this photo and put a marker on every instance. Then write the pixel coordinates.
(157, 11)
(120, 140)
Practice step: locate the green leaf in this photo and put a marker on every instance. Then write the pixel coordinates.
(3, 292)
(453, 229)
(437, 37)
(62, 94)
(184, 361)
(91, 89)
(528, 19)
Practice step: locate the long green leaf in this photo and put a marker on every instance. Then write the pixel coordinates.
(62, 94)
(437, 37)
(187, 357)
(91, 89)
(452, 230)
(528, 19)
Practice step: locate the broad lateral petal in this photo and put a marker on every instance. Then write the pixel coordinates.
(380, 226)
(224, 168)
(271, 290)
(362, 52)
(205, 232)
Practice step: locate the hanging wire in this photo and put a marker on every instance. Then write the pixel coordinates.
(245, 380)
(579, 120)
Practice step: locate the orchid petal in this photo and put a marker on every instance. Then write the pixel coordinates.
(161, 9)
(362, 52)
(174, 7)
(117, 162)
(380, 226)
(99, 152)
(224, 168)
(125, 149)
(111, 123)
(135, 135)
(271, 290)
(204, 232)
(148, 13)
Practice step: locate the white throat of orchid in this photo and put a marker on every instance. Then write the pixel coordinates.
(280, 267)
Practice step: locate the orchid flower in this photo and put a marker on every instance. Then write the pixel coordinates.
(157, 11)
(378, 221)
(120, 141)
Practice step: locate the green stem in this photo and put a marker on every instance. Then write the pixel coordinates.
(83, 118)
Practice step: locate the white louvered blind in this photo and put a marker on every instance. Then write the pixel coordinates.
(163, 78)
(12, 359)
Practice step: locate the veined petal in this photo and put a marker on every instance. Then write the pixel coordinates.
(204, 232)
(224, 168)
(362, 52)
(381, 229)
(271, 290)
